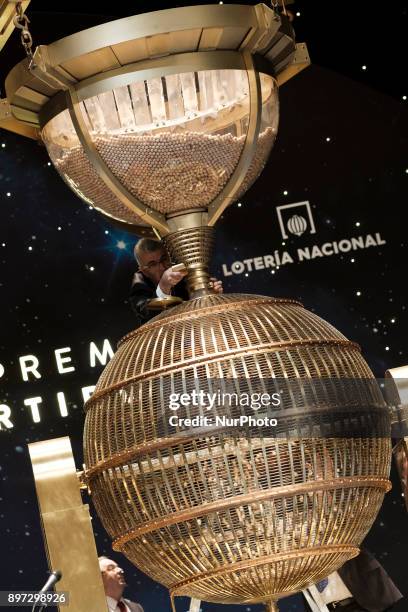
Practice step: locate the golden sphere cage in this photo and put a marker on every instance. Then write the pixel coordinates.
(242, 517)
(160, 121)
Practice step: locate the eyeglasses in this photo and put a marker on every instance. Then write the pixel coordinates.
(164, 259)
(112, 568)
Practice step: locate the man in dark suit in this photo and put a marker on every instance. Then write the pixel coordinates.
(114, 583)
(360, 585)
(156, 279)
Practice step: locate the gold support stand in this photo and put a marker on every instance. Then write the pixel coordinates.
(67, 526)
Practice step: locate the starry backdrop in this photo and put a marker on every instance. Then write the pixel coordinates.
(65, 271)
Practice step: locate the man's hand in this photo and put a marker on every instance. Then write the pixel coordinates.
(216, 285)
(170, 278)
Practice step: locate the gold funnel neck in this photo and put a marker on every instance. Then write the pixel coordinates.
(193, 247)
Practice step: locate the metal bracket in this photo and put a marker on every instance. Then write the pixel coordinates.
(42, 68)
(8, 122)
(5, 110)
(301, 60)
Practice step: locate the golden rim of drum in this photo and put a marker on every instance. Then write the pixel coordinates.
(105, 56)
(213, 308)
(211, 37)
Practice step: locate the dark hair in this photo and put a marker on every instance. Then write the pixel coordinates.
(147, 245)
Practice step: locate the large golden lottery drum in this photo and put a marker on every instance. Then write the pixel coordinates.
(234, 514)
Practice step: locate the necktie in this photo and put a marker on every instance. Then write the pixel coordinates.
(122, 606)
(322, 585)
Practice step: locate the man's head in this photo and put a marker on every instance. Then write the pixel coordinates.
(152, 258)
(113, 578)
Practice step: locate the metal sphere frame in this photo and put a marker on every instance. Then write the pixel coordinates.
(240, 517)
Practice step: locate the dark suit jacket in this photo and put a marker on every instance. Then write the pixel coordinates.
(369, 583)
(143, 290)
(134, 607)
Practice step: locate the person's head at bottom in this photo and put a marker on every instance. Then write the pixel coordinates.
(113, 578)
